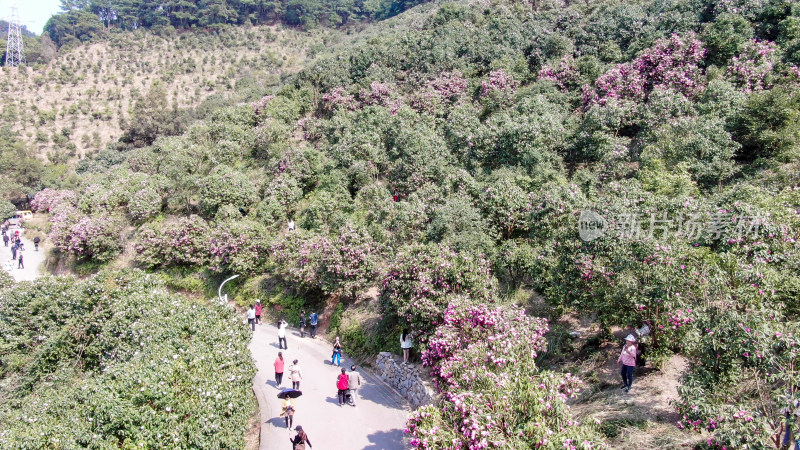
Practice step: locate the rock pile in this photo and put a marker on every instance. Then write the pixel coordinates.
(404, 378)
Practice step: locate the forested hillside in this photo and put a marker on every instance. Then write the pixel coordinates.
(632, 162)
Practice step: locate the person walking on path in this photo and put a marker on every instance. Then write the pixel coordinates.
(36, 241)
(295, 374)
(258, 311)
(353, 383)
(303, 323)
(14, 252)
(279, 369)
(406, 343)
(337, 352)
(300, 440)
(287, 411)
(5, 239)
(628, 360)
(251, 317)
(313, 320)
(282, 335)
(342, 385)
(20, 266)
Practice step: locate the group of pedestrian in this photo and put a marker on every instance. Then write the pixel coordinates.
(17, 247)
(254, 315)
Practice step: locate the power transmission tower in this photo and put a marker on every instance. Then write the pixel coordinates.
(15, 54)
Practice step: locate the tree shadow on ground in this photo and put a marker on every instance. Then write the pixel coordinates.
(386, 440)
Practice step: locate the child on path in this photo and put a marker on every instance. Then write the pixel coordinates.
(251, 317)
(300, 440)
(337, 352)
(353, 383)
(342, 385)
(287, 411)
(279, 369)
(295, 374)
(628, 360)
(282, 335)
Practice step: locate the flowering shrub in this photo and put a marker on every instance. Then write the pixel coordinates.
(338, 98)
(377, 94)
(499, 88)
(564, 75)
(672, 63)
(185, 241)
(493, 395)
(439, 93)
(261, 104)
(350, 264)
(144, 204)
(48, 199)
(116, 361)
(87, 236)
(225, 186)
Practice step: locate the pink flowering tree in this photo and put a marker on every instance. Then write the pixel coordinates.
(498, 88)
(338, 98)
(753, 69)
(350, 264)
(420, 282)
(493, 395)
(184, 242)
(440, 93)
(564, 74)
(377, 94)
(48, 199)
(673, 63)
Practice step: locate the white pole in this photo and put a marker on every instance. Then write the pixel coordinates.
(219, 292)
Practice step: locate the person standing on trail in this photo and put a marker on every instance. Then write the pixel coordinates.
(342, 386)
(258, 311)
(251, 317)
(353, 383)
(295, 374)
(300, 440)
(303, 323)
(628, 360)
(282, 335)
(14, 252)
(279, 369)
(313, 319)
(20, 266)
(287, 411)
(337, 352)
(406, 343)
(5, 239)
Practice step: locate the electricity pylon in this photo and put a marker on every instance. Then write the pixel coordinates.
(15, 53)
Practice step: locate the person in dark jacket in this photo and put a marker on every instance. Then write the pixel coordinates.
(300, 440)
(36, 241)
(20, 266)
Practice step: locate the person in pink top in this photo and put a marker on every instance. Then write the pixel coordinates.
(628, 360)
(279, 369)
(258, 311)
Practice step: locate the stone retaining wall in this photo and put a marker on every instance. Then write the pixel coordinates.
(404, 378)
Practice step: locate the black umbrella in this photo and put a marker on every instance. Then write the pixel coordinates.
(293, 393)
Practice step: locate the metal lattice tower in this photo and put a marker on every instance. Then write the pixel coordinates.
(15, 54)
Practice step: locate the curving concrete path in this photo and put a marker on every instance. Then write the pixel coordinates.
(32, 260)
(377, 422)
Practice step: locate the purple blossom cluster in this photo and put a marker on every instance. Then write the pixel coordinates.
(377, 94)
(48, 199)
(445, 89)
(96, 236)
(260, 105)
(338, 98)
(499, 82)
(672, 63)
(564, 75)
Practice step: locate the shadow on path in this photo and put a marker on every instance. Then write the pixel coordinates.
(381, 440)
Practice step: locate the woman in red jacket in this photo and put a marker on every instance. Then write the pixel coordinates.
(258, 311)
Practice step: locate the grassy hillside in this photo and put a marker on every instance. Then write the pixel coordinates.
(81, 101)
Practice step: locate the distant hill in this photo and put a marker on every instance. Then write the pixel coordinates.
(81, 100)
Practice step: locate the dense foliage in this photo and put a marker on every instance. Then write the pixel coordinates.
(117, 361)
(468, 151)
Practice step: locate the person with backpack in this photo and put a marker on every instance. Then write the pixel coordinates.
(628, 361)
(337, 352)
(313, 320)
(353, 384)
(258, 311)
(342, 385)
(300, 440)
(279, 369)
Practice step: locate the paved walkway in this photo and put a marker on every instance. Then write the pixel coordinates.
(377, 422)
(32, 260)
